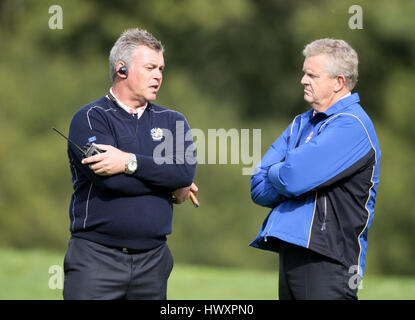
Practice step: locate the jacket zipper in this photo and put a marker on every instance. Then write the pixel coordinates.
(266, 233)
(323, 227)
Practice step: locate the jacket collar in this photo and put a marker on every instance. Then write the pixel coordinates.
(335, 108)
(342, 104)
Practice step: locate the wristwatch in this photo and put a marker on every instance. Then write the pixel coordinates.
(131, 165)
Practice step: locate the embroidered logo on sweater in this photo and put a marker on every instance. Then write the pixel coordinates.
(156, 134)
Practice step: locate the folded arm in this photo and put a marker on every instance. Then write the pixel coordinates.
(263, 191)
(342, 143)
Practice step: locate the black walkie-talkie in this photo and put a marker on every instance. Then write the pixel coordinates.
(88, 150)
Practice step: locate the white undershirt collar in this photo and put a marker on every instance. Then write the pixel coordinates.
(133, 111)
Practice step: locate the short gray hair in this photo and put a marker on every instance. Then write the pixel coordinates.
(124, 47)
(342, 58)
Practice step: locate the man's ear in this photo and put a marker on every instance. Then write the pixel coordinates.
(340, 83)
(122, 69)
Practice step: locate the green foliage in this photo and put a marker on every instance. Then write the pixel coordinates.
(230, 64)
(34, 275)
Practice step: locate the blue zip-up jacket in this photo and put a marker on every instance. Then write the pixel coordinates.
(132, 211)
(320, 178)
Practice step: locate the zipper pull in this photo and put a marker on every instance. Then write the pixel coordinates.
(265, 236)
(323, 227)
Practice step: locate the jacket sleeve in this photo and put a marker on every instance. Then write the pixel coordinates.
(342, 142)
(173, 164)
(263, 192)
(92, 124)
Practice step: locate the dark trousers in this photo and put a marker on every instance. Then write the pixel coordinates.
(307, 275)
(95, 272)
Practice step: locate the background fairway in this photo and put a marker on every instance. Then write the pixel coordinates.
(24, 275)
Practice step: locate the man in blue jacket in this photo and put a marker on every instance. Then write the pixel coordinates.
(320, 179)
(121, 208)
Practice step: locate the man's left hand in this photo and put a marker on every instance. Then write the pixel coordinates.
(182, 194)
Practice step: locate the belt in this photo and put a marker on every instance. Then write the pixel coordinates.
(131, 251)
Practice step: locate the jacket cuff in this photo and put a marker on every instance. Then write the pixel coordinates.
(274, 177)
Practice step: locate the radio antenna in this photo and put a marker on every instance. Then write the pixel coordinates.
(73, 143)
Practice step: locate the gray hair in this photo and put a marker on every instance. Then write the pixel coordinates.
(124, 47)
(342, 58)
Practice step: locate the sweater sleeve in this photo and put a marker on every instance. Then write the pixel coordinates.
(325, 159)
(173, 163)
(89, 125)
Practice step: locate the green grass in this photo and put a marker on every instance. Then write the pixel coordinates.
(201, 282)
(24, 274)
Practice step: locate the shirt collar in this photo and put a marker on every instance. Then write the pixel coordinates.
(127, 108)
(342, 103)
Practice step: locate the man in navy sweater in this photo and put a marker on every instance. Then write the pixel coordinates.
(121, 208)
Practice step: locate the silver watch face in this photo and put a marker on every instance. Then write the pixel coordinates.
(132, 166)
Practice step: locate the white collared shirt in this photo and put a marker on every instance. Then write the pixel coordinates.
(346, 95)
(133, 111)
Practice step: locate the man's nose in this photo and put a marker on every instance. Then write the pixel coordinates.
(304, 80)
(158, 74)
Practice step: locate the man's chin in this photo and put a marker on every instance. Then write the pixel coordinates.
(151, 97)
(307, 98)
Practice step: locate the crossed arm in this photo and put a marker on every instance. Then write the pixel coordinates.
(284, 173)
(112, 161)
(106, 170)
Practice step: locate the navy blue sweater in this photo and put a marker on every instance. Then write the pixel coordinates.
(133, 211)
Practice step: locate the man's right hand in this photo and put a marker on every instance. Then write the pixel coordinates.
(107, 163)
